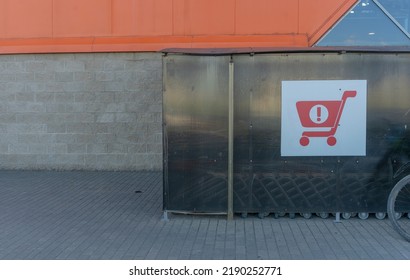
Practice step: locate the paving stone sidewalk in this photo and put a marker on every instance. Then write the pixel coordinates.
(118, 215)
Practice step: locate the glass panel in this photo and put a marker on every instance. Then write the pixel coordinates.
(365, 25)
(400, 10)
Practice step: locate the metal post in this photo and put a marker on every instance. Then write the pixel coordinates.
(165, 216)
(230, 143)
(337, 220)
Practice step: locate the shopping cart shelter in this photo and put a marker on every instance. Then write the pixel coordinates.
(285, 131)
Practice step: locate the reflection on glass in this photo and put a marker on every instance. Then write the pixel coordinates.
(400, 10)
(365, 25)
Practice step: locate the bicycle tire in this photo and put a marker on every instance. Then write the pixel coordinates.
(398, 203)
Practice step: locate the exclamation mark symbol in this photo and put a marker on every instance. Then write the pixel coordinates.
(319, 113)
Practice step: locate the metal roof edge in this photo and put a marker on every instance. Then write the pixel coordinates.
(233, 51)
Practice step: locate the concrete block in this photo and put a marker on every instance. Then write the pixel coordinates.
(155, 108)
(57, 148)
(64, 76)
(8, 138)
(84, 76)
(64, 97)
(35, 87)
(154, 127)
(14, 67)
(97, 148)
(35, 66)
(7, 117)
(75, 107)
(18, 148)
(125, 97)
(7, 96)
(3, 128)
(145, 162)
(26, 128)
(104, 138)
(102, 97)
(109, 161)
(37, 149)
(28, 138)
(82, 117)
(114, 86)
(104, 107)
(44, 76)
(93, 64)
(22, 77)
(79, 127)
(44, 97)
(114, 65)
(32, 118)
(82, 105)
(105, 118)
(65, 138)
(53, 57)
(67, 161)
(75, 65)
(115, 148)
(15, 87)
(123, 76)
(3, 107)
(76, 148)
(54, 87)
(26, 107)
(54, 65)
(4, 148)
(104, 76)
(75, 86)
(47, 138)
(137, 148)
(56, 128)
(7, 77)
(154, 148)
(8, 57)
(125, 117)
(84, 138)
(55, 107)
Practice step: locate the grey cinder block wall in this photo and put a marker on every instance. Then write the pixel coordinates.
(100, 111)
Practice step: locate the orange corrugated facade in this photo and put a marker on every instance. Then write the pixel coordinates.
(49, 26)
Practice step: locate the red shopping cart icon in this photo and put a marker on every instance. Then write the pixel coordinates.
(320, 115)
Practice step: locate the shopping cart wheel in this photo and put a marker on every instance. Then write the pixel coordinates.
(380, 215)
(304, 141)
(331, 141)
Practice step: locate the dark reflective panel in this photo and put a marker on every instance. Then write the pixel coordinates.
(267, 182)
(365, 25)
(196, 133)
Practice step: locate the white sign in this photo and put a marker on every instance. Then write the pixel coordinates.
(324, 118)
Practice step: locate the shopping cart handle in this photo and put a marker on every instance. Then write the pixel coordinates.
(349, 93)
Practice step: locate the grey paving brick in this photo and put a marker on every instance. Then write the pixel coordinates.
(117, 215)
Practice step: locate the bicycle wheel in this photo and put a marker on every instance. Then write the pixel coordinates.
(398, 207)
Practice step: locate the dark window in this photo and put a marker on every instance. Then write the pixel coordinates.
(367, 24)
(399, 10)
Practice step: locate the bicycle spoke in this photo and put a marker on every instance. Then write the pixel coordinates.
(398, 207)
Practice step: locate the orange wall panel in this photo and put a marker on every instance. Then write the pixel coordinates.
(204, 17)
(26, 18)
(141, 17)
(315, 22)
(266, 16)
(151, 25)
(79, 18)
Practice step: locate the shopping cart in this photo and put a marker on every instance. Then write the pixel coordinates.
(321, 115)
